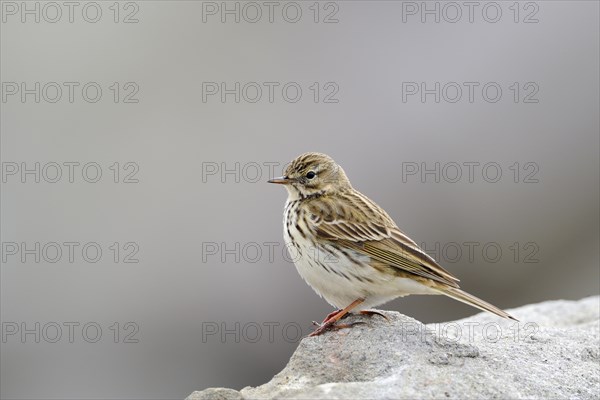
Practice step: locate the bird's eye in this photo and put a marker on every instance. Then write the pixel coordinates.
(310, 175)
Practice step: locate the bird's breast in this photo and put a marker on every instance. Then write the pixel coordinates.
(340, 275)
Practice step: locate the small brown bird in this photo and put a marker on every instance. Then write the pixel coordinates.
(349, 250)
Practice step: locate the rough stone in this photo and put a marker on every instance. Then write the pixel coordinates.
(553, 352)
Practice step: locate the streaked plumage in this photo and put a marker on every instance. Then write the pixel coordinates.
(346, 247)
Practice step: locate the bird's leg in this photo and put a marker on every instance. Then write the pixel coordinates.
(328, 317)
(337, 315)
(369, 313)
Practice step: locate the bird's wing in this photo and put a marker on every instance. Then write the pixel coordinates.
(354, 221)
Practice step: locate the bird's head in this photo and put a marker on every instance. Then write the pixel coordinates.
(312, 174)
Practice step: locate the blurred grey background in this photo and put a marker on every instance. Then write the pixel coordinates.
(202, 222)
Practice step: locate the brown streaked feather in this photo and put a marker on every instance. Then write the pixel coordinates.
(352, 220)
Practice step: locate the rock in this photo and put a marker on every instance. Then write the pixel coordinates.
(552, 353)
(217, 394)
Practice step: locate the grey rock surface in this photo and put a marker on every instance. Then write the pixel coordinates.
(553, 352)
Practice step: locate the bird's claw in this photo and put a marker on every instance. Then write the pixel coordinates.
(370, 313)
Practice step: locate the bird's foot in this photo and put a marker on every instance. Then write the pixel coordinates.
(331, 326)
(335, 316)
(370, 313)
(329, 323)
(331, 315)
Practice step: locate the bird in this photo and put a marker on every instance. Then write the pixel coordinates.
(349, 250)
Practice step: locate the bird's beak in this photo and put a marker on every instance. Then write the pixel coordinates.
(282, 180)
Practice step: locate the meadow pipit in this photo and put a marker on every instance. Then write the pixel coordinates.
(349, 250)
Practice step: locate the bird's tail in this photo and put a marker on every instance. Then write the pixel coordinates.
(460, 295)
